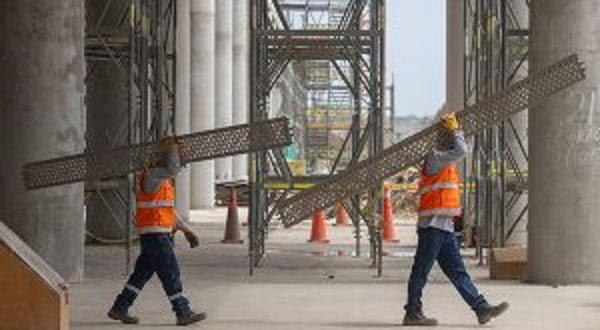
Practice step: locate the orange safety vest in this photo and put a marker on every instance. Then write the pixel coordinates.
(156, 211)
(439, 194)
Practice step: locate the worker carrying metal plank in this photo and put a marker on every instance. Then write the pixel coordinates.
(439, 203)
(156, 221)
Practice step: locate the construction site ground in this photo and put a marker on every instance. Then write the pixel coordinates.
(315, 286)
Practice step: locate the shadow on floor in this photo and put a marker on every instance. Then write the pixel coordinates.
(594, 305)
(374, 325)
(364, 325)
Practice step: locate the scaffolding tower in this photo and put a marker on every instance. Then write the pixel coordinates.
(329, 110)
(496, 55)
(130, 56)
(342, 42)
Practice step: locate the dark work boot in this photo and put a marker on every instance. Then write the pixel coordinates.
(416, 318)
(190, 318)
(485, 312)
(123, 316)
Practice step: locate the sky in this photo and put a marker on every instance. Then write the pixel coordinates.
(416, 54)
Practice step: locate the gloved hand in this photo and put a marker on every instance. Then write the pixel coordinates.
(184, 154)
(171, 140)
(450, 122)
(191, 238)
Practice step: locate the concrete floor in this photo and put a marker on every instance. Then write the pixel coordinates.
(298, 289)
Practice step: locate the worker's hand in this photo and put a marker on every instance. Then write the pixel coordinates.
(184, 154)
(169, 142)
(191, 238)
(450, 122)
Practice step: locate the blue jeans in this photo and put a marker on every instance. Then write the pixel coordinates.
(436, 244)
(157, 256)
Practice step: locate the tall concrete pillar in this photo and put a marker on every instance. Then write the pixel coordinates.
(223, 80)
(520, 15)
(564, 144)
(241, 53)
(455, 53)
(455, 68)
(182, 112)
(41, 93)
(203, 96)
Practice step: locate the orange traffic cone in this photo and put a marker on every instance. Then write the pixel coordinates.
(341, 216)
(318, 232)
(232, 227)
(389, 231)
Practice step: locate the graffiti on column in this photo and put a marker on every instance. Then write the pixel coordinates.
(582, 132)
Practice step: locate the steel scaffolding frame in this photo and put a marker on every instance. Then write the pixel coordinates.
(390, 114)
(496, 55)
(329, 97)
(138, 37)
(106, 52)
(358, 40)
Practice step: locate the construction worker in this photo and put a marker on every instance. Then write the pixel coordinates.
(439, 203)
(156, 221)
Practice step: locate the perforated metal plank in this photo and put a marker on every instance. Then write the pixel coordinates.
(212, 144)
(412, 150)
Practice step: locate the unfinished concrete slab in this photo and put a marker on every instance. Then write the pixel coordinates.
(316, 286)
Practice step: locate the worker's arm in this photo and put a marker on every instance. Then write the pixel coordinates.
(182, 224)
(185, 227)
(171, 165)
(437, 160)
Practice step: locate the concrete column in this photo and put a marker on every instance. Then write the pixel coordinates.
(41, 93)
(455, 71)
(520, 13)
(203, 96)
(182, 113)
(223, 77)
(241, 53)
(455, 52)
(564, 144)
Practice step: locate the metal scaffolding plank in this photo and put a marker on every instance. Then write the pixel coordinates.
(485, 114)
(205, 145)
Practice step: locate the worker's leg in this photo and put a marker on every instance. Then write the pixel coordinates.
(167, 269)
(453, 266)
(428, 248)
(142, 273)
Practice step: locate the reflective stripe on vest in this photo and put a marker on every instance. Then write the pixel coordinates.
(155, 204)
(439, 185)
(439, 194)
